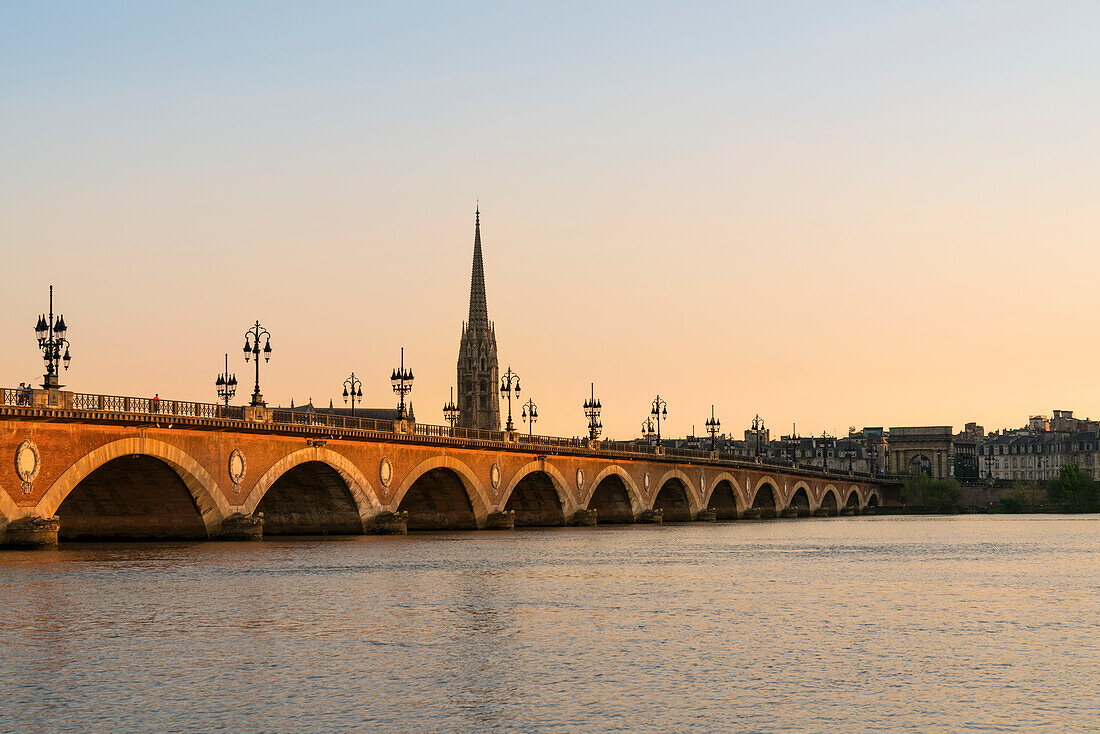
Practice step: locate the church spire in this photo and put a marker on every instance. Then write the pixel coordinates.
(479, 311)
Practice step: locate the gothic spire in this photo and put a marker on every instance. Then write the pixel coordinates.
(479, 311)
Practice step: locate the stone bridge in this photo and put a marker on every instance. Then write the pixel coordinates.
(99, 467)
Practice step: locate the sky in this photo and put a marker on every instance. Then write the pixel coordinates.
(824, 213)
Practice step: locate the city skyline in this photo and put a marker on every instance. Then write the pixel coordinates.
(897, 243)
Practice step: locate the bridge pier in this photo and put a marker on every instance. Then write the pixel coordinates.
(753, 513)
(709, 514)
(505, 520)
(584, 518)
(652, 517)
(32, 533)
(240, 526)
(789, 512)
(390, 523)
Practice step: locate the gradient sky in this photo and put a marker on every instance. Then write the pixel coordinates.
(834, 213)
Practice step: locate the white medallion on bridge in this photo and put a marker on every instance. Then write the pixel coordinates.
(385, 471)
(27, 463)
(580, 478)
(237, 467)
(494, 476)
(645, 481)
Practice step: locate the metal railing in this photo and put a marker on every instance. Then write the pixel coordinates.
(155, 406)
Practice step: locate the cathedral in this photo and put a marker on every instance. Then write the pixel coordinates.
(478, 379)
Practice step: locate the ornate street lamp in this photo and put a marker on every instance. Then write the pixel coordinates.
(353, 388)
(657, 409)
(401, 379)
(530, 414)
(450, 410)
(592, 410)
(713, 426)
(648, 431)
(226, 384)
(51, 340)
(825, 451)
(509, 384)
(758, 430)
(252, 349)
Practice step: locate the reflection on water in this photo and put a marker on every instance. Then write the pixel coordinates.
(848, 624)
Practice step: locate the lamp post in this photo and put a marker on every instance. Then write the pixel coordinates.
(51, 339)
(824, 451)
(713, 426)
(226, 384)
(509, 384)
(658, 409)
(758, 430)
(401, 379)
(648, 432)
(252, 349)
(530, 414)
(989, 464)
(353, 388)
(450, 410)
(592, 410)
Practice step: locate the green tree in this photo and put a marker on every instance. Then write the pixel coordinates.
(1074, 490)
(935, 495)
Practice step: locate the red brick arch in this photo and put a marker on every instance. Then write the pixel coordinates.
(559, 482)
(360, 488)
(475, 490)
(204, 489)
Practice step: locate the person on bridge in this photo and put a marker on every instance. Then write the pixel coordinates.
(156, 403)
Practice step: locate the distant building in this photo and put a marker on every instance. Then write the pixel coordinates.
(1039, 451)
(921, 450)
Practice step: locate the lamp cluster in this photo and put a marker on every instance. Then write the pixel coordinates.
(252, 349)
(509, 384)
(51, 340)
(592, 408)
(401, 379)
(353, 389)
(226, 384)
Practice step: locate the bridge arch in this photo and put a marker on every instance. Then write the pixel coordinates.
(800, 500)
(852, 498)
(676, 497)
(725, 496)
(318, 502)
(532, 501)
(830, 501)
(207, 497)
(766, 497)
(443, 477)
(872, 498)
(614, 485)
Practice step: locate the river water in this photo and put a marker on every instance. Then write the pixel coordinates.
(971, 623)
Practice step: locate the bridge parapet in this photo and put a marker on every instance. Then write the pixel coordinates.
(17, 403)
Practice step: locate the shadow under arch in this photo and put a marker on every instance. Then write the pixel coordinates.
(208, 499)
(766, 498)
(725, 497)
(675, 497)
(442, 493)
(614, 496)
(853, 499)
(314, 490)
(800, 501)
(830, 501)
(538, 496)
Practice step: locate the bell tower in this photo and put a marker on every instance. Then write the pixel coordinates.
(478, 377)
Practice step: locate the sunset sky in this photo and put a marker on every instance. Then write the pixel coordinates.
(829, 213)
